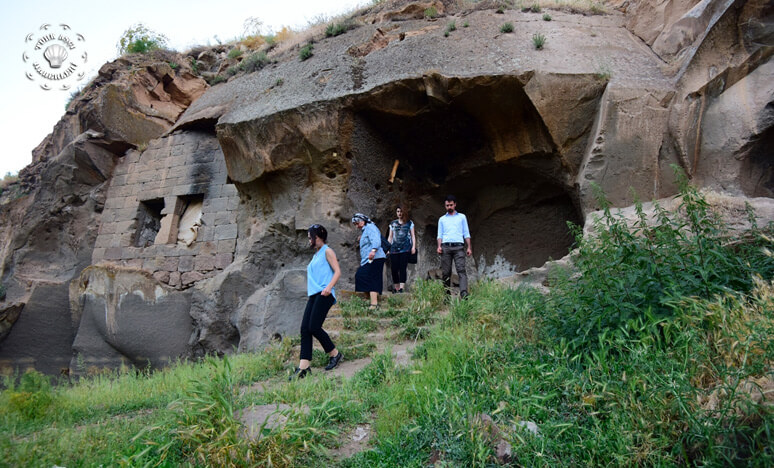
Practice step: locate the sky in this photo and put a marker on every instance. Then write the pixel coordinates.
(29, 112)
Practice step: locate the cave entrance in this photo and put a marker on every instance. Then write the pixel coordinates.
(486, 144)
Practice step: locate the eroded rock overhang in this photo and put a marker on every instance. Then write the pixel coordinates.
(508, 146)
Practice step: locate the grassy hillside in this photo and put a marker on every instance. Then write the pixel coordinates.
(656, 349)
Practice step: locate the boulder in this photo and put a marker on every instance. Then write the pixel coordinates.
(276, 309)
(737, 137)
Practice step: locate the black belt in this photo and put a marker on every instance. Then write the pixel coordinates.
(453, 244)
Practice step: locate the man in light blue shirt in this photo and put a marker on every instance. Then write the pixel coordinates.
(453, 238)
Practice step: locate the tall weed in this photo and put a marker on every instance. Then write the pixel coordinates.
(628, 277)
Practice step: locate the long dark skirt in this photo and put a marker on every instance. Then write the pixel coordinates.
(368, 277)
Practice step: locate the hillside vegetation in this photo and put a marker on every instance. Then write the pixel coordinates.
(655, 349)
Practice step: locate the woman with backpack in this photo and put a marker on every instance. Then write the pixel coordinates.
(368, 277)
(403, 243)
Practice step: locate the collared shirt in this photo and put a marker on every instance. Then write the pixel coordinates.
(453, 228)
(319, 273)
(370, 239)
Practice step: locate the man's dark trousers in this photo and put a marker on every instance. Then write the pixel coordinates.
(457, 253)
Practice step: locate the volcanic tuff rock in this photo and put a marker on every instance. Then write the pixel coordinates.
(392, 112)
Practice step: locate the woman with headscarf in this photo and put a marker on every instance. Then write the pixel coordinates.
(322, 273)
(368, 277)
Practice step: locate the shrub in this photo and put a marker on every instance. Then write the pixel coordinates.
(173, 65)
(452, 26)
(195, 66)
(431, 12)
(33, 396)
(335, 29)
(217, 79)
(538, 40)
(604, 72)
(628, 277)
(306, 52)
(138, 39)
(465, 24)
(535, 8)
(283, 35)
(254, 62)
(234, 53)
(253, 42)
(546, 17)
(506, 28)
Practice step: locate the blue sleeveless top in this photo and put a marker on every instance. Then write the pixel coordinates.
(319, 273)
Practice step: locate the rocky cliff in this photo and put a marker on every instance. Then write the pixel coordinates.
(164, 217)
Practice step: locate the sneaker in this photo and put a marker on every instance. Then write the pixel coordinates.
(401, 291)
(301, 373)
(464, 295)
(334, 361)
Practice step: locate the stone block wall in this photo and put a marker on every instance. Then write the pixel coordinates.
(172, 172)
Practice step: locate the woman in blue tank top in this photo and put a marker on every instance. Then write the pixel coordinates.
(322, 273)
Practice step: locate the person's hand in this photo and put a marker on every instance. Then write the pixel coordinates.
(326, 291)
(371, 255)
(469, 252)
(413, 250)
(440, 250)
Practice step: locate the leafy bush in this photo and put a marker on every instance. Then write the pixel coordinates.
(546, 17)
(253, 62)
(217, 79)
(452, 26)
(32, 397)
(335, 29)
(138, 39)
(538, 40)
(431, 12)
(506, 28)
(306, 52)
(629, 279)
(234, 53)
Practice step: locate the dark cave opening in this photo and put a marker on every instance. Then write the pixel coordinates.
(489, 147)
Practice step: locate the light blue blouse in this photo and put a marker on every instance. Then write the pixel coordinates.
(370, 239)
(319, 273)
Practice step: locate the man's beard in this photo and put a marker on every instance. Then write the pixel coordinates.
(450, 210)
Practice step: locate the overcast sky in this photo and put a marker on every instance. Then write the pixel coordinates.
(29, 113)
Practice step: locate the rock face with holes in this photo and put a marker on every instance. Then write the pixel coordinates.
(208, 195)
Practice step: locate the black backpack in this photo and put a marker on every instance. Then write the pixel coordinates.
(386, 245)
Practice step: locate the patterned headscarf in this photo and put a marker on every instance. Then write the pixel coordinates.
(360, 217)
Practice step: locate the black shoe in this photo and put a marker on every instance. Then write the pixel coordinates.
(334, 361)
(301, 373)
(401, 291)
(464, 295)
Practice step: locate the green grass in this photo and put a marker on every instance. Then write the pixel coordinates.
(506, 28)
(336, 29)
(306, 52)
(646, 353)
(538, 40)
(452, 26)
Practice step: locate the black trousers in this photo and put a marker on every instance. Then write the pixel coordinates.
(317, 308)
(398, 265)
